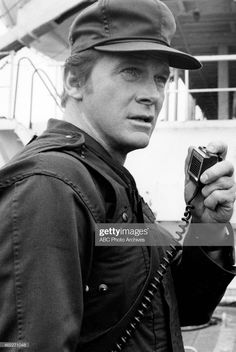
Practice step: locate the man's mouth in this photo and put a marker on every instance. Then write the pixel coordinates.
(142, 118)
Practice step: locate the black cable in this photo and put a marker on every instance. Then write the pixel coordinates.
(187, 215)
(198, 188)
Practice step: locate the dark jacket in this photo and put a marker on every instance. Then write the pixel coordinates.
(60, 292)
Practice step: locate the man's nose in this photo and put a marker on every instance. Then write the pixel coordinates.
(148, 94)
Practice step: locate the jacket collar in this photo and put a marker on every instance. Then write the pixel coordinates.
(67, 129)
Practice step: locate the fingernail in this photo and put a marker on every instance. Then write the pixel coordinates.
(204, 178)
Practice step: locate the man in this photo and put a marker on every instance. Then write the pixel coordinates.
(60, 292)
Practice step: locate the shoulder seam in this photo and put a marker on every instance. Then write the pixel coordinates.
(75, 188)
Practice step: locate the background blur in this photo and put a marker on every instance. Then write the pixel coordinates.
(199, 106)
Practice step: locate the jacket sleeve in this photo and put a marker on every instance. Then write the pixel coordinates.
(43, 260)
(200, 283)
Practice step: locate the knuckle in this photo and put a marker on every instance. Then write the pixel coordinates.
(229, 196)
(225, 165)
(222, 183)
(222, 169)
(216, 195)
(229, 168)
(219, 194)
(226, 182)
(210, 202)
(219, 145)
(205, 191)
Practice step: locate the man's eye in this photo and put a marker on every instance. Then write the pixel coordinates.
(131, 73)
(161, 80)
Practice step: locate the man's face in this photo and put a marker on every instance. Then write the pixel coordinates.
(122, 99)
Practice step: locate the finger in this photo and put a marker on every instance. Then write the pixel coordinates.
(223, 183)
(218, 147)
(218, 197)
(223, 168)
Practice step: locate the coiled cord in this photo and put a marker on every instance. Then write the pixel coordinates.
(185, 219)
(157, 279)
(187, 215)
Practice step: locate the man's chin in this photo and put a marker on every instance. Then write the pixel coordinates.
(139, 144)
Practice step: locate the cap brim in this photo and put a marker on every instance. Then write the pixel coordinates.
(176, 58)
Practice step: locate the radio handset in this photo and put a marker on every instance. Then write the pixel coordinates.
(201, 159)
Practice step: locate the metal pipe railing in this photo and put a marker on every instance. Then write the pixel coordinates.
(187, 91)
(36, 70)
(32, 91)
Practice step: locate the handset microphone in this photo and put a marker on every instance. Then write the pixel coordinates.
(200, 160)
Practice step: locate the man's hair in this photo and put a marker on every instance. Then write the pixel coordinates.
(80, 65)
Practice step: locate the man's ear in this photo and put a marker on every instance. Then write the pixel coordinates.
(72, 87)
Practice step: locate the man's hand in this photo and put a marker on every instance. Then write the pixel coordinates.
(215, 201)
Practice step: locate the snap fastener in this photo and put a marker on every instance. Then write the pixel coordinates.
(125, 217)
(86, 288)
(82, 151)
(103, 288)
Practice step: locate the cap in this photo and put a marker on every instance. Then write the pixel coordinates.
(128, 26)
